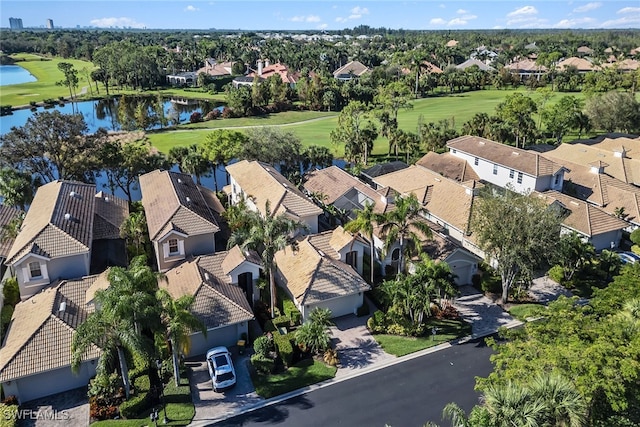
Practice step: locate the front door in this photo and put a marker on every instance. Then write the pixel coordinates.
(245, 281)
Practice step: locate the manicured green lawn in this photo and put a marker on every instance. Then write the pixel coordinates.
(305, 373)
(48, 74)
(458, 108)
(447, 330)
(180, 409)
(524, 311)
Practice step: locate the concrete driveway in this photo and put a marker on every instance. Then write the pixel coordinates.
(70, 408)
(211, 406)
(484, 315)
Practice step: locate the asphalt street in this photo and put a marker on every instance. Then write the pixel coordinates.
(404, 395)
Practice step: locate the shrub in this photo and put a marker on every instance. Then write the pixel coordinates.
(195, 117)
(140, 402)
(377, 323)
(212, 115)
(291, 311)
(33, 103)
(363, 310)
(331, 357)
(10, 400)
(284, 347)
(5, 318)
(8, 415)
(281, 321)
(263, 345)
(397, 329)
(262, 364)
(11, 291)
(556, 273)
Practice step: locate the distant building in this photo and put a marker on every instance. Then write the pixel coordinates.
(15, 23)
(50, 24)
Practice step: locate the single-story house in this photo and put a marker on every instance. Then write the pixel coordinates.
(224, 287)
(35, 358)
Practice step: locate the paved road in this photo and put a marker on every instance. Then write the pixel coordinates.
(403, 395)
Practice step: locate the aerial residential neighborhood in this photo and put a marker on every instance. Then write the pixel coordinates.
(319, 225)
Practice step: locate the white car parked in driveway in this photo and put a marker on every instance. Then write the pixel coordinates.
(221, 371)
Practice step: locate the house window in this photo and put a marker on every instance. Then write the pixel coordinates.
(475, 161)
(495, 169)
(454, 151)
(173, 247)
(519, 177)
(511, 173)
(352, 259)
(35, 271)
(557, 179)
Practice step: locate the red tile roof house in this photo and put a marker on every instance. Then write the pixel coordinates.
(181, 217)
(266, 70)
(35, 358)
(58, 233)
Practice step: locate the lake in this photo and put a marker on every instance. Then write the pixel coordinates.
(14, 74)
(104, 113)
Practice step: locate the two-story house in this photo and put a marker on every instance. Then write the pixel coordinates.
(224, 288)
(504, 166)
(180, 216)
(56, 238)
(258, 183)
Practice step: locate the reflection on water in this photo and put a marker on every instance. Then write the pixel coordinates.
(122, 113)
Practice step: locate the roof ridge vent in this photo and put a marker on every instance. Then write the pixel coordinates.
(179, 180)
(207, 277)
(68, 216)
(63, 307)
(188, 200)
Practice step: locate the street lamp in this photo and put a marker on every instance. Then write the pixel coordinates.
(164, 405)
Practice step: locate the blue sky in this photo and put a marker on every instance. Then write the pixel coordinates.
(325, 14)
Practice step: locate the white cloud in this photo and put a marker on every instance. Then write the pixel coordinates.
(191, 8)
(117, 22)
(523, 11)
(461, 11)
(576, 22)
(625, 22)
(313, 18)
(359, 11)
(456, 22)
(303, 18)
(629, 10)
(587, 7)
(437, 21)
(341, 19)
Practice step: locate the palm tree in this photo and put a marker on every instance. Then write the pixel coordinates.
(10, 230)
(195, 163)
(134, 231)
(178, 322)
(363, 224)
(565, 406)
(123, 310)
(266, 234)
(402, 224)
(513, 405)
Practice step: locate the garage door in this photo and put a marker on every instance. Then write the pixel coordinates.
(342, 306)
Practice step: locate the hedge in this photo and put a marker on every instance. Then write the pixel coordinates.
(141, 401)
(262, 364)
(291, 311)
(284, 347)
(281, 321)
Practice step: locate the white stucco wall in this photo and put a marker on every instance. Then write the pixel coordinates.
(338, 306)
(54, 269)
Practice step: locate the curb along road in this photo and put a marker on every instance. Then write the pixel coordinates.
(357, 373)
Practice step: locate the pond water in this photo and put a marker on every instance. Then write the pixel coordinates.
(105, 113)
(14, 74)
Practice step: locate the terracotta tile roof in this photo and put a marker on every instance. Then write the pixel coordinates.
(217, 302)
(47, 229)
(355, 68)
(439, 248)
(278, 68)
(7, 214)
(39, 336)
(449, 166)
(626, 169)
(580, 63)
(624, 65)
(312, 278)
(172, 201)
(110, 213)
(235, 256)
(334, 183)
(525, 161)
(331, 241)
(603, 190)
(585, 218)
(263, 183)
(431, 68)
(442, 197)
(525, 65)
